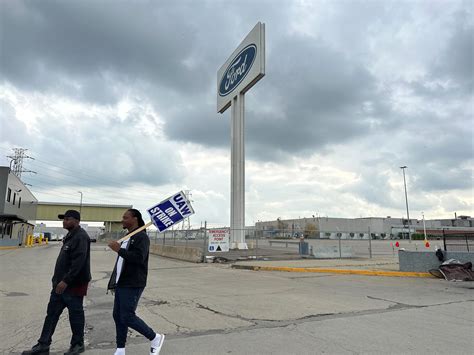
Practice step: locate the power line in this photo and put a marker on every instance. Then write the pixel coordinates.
(55, 176)
(87, 177)
(126, 195)
(77, 173)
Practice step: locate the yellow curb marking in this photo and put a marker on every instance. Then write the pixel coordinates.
(11, 247)
(345, 271)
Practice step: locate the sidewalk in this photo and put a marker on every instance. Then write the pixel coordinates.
(379, 266)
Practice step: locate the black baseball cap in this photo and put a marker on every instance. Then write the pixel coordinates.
(70, 213)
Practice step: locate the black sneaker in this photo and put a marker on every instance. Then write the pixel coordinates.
(38, 349)
(75, 349)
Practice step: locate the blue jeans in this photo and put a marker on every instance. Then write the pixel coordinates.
(56, 305)
(125, 305)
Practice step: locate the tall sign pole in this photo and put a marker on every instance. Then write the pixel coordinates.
(406, 200)
(239, 73)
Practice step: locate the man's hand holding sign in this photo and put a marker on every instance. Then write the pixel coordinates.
(129, 276)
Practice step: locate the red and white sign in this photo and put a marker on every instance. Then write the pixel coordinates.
(218, 240)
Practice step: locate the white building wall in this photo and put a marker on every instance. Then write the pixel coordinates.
(358, 228)
(14, 191)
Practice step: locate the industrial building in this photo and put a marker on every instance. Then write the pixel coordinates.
(361, 228)
(17, 210)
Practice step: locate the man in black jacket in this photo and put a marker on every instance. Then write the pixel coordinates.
(128, 281)
(72, 274)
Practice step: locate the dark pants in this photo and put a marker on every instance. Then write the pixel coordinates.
(125, 305)
(56, 305)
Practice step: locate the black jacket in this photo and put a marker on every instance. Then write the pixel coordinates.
(73, 265)
(135, 263)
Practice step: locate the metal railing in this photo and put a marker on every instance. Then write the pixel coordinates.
(456, 241)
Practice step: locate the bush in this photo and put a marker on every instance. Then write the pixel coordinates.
(417, 236)
(421, 236)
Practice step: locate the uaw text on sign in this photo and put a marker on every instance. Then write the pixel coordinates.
(170, 211)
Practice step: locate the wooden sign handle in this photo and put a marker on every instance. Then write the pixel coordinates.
(134, 232)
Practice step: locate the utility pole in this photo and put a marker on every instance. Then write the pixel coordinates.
(424, 225)
(406, 200)
(80, 204)
(17, 160)
(187, 194)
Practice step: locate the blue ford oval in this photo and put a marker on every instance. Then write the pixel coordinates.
(238, 69)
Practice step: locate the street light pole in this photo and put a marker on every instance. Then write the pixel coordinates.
(406, 200)
(424, 226)
(80, 205)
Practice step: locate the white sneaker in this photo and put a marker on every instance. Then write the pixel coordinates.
(156, 344)
(120, 351)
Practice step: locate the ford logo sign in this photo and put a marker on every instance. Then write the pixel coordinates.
(238, 69)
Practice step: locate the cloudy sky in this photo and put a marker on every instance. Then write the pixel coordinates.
(117, 99)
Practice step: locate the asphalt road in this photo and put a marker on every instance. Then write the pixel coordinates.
(213, 309)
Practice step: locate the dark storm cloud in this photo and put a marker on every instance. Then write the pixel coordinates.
(319, 90)
(435, 177)
(447, 144)
(442, 160)
(312, 95)
(319, 96)
(45, 42)
(50, 45)
(450, 73)
(94, 53)
(456, 62)
(199, 124)
(101, 151)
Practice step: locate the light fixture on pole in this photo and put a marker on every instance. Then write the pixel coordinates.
(80, 204)
(424, 226)
(406, 200)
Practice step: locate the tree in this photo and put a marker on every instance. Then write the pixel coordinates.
(282, 226)
(310, 230)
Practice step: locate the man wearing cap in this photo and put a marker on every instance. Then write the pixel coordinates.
(70, 280)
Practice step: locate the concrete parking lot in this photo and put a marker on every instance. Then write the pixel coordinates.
(214, 309)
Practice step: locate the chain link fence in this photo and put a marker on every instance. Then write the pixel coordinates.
(286, 243)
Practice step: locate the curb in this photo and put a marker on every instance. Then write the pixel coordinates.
(9, 247)
(335, 271)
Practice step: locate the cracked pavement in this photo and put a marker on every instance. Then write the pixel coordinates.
(213, 309)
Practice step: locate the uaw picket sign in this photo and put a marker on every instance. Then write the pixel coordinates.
(218, 240)
(239, 73)
(166, 214)
(170, 211)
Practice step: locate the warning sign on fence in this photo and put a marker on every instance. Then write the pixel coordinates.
(218, 240)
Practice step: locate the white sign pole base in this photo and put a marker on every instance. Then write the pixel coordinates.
(237, 208)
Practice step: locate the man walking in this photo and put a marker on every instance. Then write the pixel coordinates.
(128, 281)
(70, 280)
